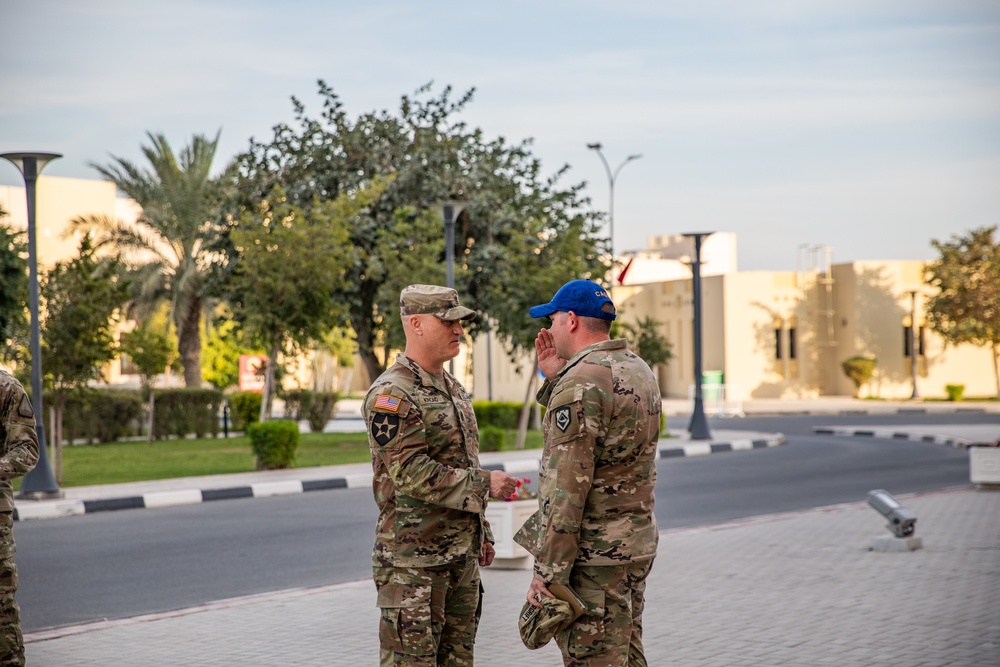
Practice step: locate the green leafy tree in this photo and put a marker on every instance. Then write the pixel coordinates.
(966, 306)
(13, 291)
(81, 298)
(168, 249)
(291, 262)
(519, 238)
(645, 340)
(860, 370)
(152, 351)
(220, 362)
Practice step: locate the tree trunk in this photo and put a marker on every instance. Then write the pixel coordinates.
(529, 399)
(996, 366)
(266, 399)
(189, 343)
(151, 421)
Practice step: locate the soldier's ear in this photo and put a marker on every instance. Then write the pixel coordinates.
(416, 324)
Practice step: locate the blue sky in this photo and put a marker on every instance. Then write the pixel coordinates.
(871, 127)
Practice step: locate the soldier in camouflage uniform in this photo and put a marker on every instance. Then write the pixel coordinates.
(19, 455)
(594, 530)
(432, 535)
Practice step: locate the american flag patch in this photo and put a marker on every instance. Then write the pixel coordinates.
(387, 402)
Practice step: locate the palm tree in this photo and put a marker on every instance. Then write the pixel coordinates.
(167, 248)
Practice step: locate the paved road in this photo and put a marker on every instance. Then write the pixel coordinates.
(130, 562)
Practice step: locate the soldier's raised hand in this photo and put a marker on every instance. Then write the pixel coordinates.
(501, 485)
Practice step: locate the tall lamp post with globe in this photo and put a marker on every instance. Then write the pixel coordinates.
(39, 482)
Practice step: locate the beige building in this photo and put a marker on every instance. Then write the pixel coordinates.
(784, 334)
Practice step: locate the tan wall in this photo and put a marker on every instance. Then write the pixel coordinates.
(59, 200)
(862, 311)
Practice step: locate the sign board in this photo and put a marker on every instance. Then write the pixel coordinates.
(252, 367)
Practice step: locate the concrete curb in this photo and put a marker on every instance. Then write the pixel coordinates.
(890, 433)
(55, 509)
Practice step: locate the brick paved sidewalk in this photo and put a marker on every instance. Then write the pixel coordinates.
(787, 590)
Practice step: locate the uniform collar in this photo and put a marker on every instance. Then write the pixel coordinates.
(616, 344)
(427, 379)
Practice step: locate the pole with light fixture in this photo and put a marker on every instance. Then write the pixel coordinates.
(39, 483)
(913, 343)
(450, 210)
(698, 426)
(612, 177)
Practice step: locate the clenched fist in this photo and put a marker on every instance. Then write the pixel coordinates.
(501, 485)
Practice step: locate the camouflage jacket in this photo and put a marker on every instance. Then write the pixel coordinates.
(17, 433)
(598, 471)
(429, 488)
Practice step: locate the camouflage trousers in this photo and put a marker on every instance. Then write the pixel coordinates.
(429, 615)
(610, 633)
(11, 642)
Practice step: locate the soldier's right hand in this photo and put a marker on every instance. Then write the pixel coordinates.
(501, 485)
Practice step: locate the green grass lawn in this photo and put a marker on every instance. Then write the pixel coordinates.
(84, 465)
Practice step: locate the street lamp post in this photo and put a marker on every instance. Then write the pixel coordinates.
(612, 177)
(450, 210)
(913, 343)
(698, 426)
(39, 482)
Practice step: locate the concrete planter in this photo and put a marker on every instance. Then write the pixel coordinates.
(984, 465)
(506, 518)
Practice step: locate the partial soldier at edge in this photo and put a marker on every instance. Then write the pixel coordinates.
(19, 456)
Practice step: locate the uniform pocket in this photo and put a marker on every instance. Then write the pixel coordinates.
(585, 637)
(405, 624)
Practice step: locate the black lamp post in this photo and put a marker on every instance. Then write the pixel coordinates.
(450, 210)
(913, 343)
(698, 427)
(612, 177)
(39, 482)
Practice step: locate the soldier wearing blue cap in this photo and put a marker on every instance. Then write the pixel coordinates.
(595, 530)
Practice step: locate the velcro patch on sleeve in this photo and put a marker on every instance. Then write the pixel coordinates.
(387, 402)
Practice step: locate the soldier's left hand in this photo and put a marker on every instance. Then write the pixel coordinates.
(487, 554)
(538, 590)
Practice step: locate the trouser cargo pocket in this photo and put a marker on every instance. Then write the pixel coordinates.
(405, 625)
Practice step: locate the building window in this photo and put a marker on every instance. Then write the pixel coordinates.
(777, 341)
(792, 352)
(906, 341)
(921, 343)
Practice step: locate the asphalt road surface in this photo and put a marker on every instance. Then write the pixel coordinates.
(125, 563)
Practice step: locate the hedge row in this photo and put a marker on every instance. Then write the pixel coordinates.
(501, 414)
(107, 415)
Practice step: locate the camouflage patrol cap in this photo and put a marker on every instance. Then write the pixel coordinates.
(538, 625)
(441, 302)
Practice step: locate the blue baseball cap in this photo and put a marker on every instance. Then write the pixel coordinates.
(584, 297)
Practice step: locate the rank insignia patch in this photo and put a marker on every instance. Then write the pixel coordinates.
(562, 418)
(387, 402)
(384, 428)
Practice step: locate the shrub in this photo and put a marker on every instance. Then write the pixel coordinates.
(501, 414)
(181, 412)
(101, 415)
(859, 370)
(274, 443)
(297, 403)
(955, 391)
(491, 439)
(244, 407)
(321, 409)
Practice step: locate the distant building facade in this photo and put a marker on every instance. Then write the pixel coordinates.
(781, 334)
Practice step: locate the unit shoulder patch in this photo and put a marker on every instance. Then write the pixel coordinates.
(384, 428)
(562, 417)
